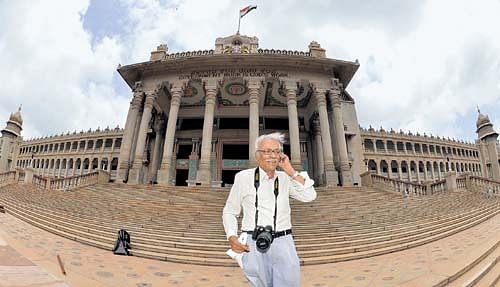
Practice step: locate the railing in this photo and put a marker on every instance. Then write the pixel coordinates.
(404, 187)
(67, 183)
(438, 186)
(71, 182)
(482, 184)
(461, 183)
(40, 181)
(398, 186)
(283, 52)
(7, 177)
(189, 54)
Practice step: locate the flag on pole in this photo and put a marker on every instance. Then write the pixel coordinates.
(247, 9)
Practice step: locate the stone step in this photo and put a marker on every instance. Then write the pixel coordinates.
(386, 250)
(417, 226)
(208, 254)
(479, 271)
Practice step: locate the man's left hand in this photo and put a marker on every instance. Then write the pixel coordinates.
(286, 165)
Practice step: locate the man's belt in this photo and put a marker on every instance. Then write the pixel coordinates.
(276, 234)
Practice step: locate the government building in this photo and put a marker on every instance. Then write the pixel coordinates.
(194, 117)
(393, 208)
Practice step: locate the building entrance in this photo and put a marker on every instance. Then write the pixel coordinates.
(228, 177)
(181, 177)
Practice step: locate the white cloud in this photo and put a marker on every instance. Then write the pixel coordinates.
(49, 65)
(424, 65)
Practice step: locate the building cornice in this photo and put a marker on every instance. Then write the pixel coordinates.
(74, 135)
(343, 70)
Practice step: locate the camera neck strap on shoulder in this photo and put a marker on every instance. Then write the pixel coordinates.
(276, 192)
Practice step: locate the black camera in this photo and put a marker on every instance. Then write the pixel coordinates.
(263, 237)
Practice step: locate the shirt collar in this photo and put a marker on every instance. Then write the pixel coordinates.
(263, 174)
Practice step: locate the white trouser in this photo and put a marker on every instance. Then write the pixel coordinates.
(278, 267)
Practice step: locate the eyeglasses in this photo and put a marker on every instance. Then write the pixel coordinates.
(268, 152)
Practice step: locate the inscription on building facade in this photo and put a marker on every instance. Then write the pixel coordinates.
(239, 72)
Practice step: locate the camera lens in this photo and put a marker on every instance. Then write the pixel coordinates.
(263, 244)
(264, 239)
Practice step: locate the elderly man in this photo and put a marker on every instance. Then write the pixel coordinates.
(270, 258)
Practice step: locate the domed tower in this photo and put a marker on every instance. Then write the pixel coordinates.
(11, 135)
(488, 151)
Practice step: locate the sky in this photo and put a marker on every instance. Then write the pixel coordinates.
(425, 66)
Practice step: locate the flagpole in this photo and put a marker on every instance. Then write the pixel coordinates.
(239, 20)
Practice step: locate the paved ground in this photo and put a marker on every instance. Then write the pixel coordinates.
(28, 257)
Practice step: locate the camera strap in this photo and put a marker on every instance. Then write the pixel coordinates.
(276, 192)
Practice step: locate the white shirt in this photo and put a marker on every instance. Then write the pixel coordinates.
(242, 194)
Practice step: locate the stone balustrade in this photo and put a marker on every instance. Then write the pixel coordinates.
(74, 181)
(7, 178)
(461, 183)
(212, 52)
(464, 183)
(481, 184)
(395, 185)
(71, 182)
(404, 187)
(40, 181)
(438, 186)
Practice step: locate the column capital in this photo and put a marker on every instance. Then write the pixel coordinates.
(319, 94)
(290, 85)
(335, 99)
(320, 86)
(336, 84)
(150, 99)
(210, 83)
(178, 86)
(138, 86)
(137, 98)
(254, 85)
(176, 92)
(254, 82)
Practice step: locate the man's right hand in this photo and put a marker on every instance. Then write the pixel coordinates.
(236, 246)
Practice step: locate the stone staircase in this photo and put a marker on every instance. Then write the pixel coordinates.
(483, 271)
(184, 224)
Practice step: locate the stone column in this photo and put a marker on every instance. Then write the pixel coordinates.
(136, 173)
(331, 176)
(433, 172)
(159, 128)
(164, 174)
(345, 170)
(320, 165)
(128, 133)
(389, 168)
(203, 175)
(400, 171)
(293, 123)
(254, 86)
(417, 169)
(426, 176)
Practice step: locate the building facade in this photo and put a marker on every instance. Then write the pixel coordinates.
(72, 154)
(194, 117)
(10, 140)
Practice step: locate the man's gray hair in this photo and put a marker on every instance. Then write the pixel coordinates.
(279, 137)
